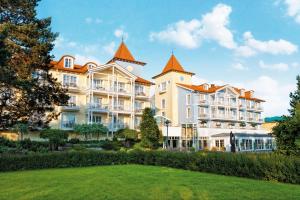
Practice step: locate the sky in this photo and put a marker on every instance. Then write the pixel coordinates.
(252, 44)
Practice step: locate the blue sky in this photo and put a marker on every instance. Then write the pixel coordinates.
(250, 44)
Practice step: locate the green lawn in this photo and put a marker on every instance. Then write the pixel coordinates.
(136, 182)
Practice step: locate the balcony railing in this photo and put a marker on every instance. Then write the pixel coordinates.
(139, 110)
(203, 102)
(99, 88)
(98, 107)
(74, 85)
(122, 108)
(139, 93)
(203, 115)
(70, 106)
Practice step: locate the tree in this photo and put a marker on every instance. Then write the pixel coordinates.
(98, 130)
(129, 135)
(27, 91)
(149, 130)
(55, 136)
(287, 130)
(21, 128)
(295, 97)
(90, 129)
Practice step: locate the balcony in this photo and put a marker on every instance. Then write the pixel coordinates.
(70, 107)
(203, 116)
(116, 125)
(140, 94)
(73, 87)
(68, 125)
(242, 107)
(203, 102)
(122, 108)
(139, 110)
(99, 88)
(96, 107)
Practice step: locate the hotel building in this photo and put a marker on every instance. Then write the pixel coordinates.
(203, 116)
(113, 94)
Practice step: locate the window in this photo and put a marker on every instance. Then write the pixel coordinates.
(68, 63)
(259, 144)
(69, 80)
(188, 112)
(246, 144)
(163, 103)
(188, 99)
(98, 84)
(72, 101)
(97, 119)
(97, 102)
(219, 144)
(163, 114)
(163, 87)
(139, 90)
(119, 86)
(139, 105)
(181, 78)
(269, 144)
(67, 120)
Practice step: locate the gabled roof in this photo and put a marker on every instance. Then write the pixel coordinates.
(123, 54)
(76, 68)
(201, 88)
(213, 88)
(173, 65)
(143, 81)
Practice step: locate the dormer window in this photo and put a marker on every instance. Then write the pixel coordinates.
(242, 92)
(68, 62)
(205, 86)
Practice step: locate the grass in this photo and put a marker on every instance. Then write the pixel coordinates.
(136, 182)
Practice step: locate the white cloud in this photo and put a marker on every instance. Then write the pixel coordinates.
(110, 48)
(83, 59)
(274, 47)
(274, 93)
(276, 66)
(59, 41)
(244, 51)
(293, 9)
(295, 64)
(189, 34)
(240, 66)
(88, 20)
(98, 21)
(119, 33)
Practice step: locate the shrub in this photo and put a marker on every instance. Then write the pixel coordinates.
(56, 137)
(258, 166)
(74, 141)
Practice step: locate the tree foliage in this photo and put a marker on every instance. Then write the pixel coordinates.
(151, 135)
(21, 128)
(129, 135)
(295, 98)
(287, 130)
(90, 129)
(27, 91)
(55, 137)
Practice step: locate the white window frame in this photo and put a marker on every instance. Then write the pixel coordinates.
(163, 103)
(69, 80)
(72, 100)
(68, 62)
(188, 112)
(188, 99)
(163, 86)
(65, 115)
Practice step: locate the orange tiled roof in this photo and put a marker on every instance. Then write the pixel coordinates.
(173, 65)
(143, 81)
(60, 66)
(123, 54)
(213, 88)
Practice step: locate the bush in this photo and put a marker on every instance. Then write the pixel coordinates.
(258, 166)
(74, 141)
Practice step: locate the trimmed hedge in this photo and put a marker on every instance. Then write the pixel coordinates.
(258, 166)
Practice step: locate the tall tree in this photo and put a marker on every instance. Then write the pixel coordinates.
(28, 93)
(295, 97)
(149, 130)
